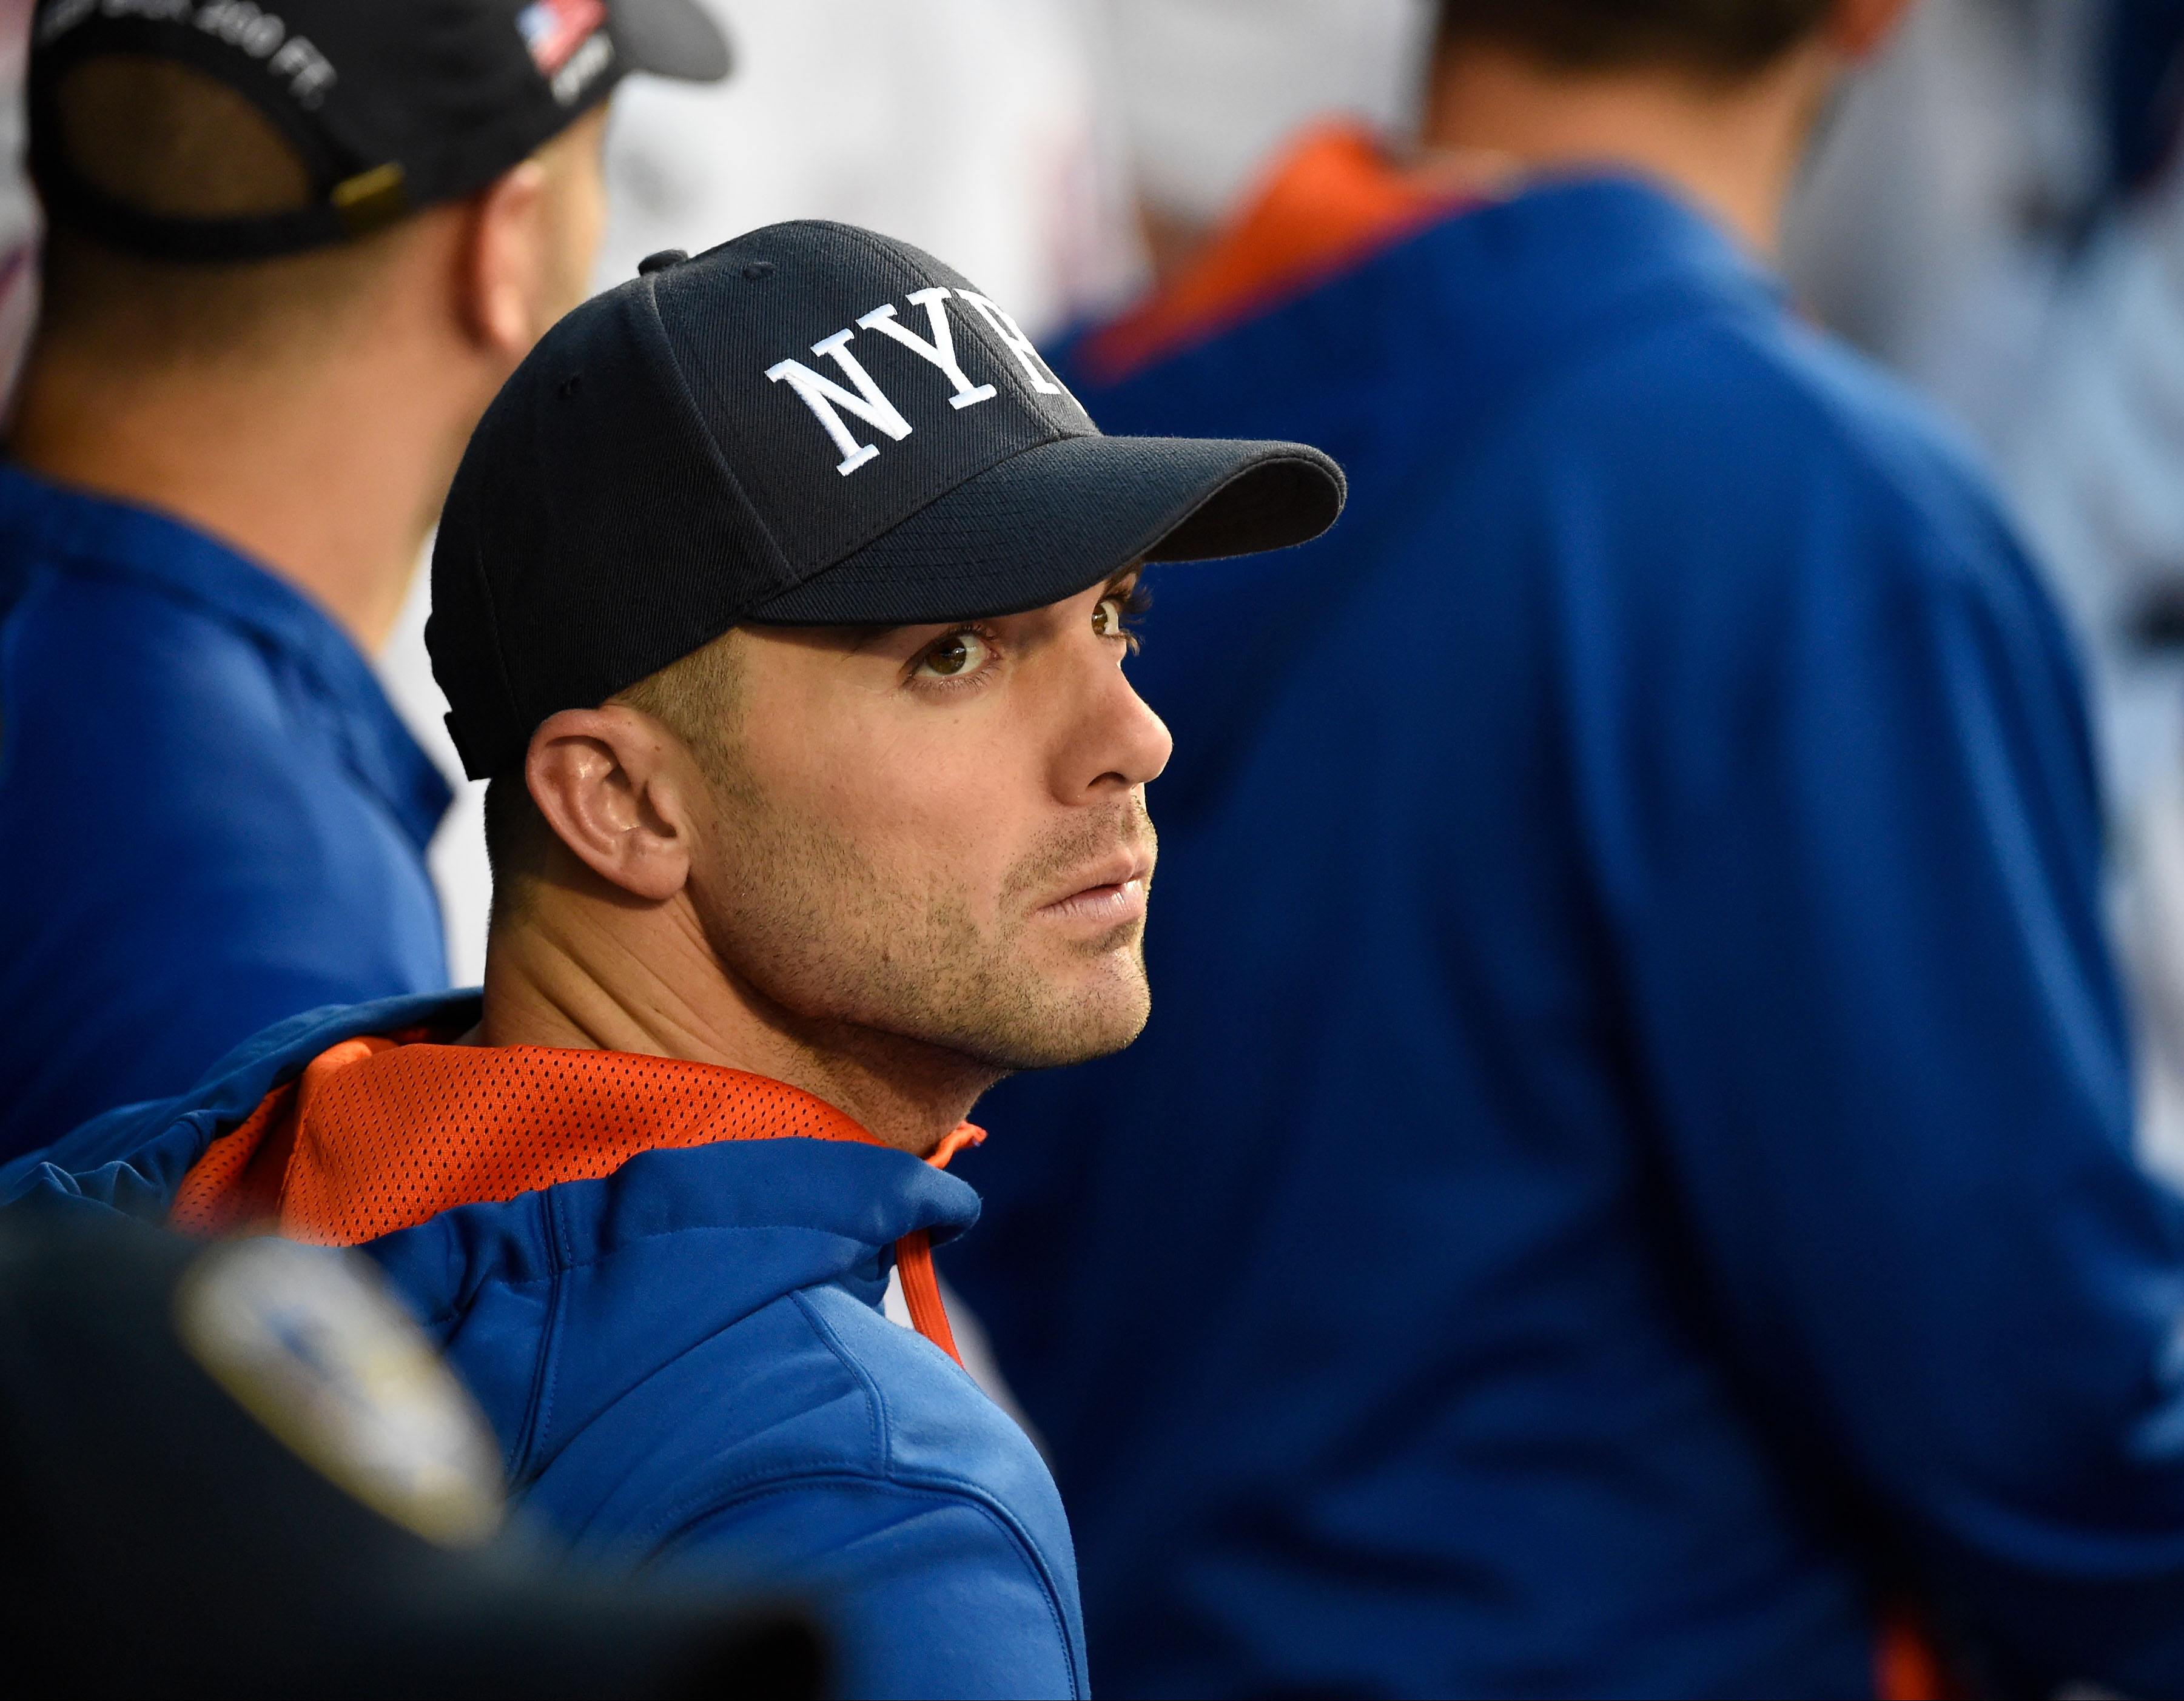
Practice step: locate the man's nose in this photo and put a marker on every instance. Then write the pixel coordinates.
(1118, 742)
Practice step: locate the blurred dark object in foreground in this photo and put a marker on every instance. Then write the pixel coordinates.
(2156, 623)
(156, 1538)
(2143, 90)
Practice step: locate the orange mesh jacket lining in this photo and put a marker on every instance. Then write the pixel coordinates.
(1331, 201)
(380, 1134)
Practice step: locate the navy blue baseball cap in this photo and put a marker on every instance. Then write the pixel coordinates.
(392, 105)
(810, 425)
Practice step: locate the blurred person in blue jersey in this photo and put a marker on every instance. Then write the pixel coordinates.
(1628, 1188)
(289, 260)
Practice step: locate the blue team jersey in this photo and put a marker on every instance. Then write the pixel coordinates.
(210, 816)
(1631, 1164)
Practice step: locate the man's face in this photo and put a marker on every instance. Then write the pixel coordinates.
(940, 832)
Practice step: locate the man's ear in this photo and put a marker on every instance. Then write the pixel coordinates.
(1859, 29)
(529, 240)
(497, 266)
(614, 786)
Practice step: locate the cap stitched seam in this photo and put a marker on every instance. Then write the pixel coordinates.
(651, 332)
(661, 347)
(494, 625)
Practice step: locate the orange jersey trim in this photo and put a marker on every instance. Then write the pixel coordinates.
(1907, 1665)
(379, 1135)
(1331, 201)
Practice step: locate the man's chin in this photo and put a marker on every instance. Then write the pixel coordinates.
(1089, 1050)
(1059, 1035)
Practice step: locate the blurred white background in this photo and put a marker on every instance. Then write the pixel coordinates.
(1207, 90)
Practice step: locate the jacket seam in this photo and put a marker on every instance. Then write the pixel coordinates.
(700, 1508)
(874, 1399)
(34, 585)
(539, 1408)
(564, 1262)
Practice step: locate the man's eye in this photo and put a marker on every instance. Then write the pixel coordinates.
(954, 656)
(1107, 618)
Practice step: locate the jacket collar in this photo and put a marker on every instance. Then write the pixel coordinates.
(384, 1131)
(827, 1209)
(132, 1160)
(97, 535)
(1479, 299)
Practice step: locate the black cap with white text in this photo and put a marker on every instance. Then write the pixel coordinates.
(390, 106)
(811, 425)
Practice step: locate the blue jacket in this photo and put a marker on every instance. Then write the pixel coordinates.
(688, 1370)
(211, 817)
(1632, 1157)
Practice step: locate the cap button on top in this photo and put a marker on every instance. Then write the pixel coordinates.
(661, 261)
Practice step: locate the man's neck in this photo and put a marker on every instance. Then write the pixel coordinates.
(331, 473)
(1732, 150)
(579, 970)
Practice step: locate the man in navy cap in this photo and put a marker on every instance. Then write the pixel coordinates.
(293, 251)
(782, 598)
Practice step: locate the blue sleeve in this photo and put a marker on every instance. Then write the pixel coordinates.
(926, 1592)
(1840, 806)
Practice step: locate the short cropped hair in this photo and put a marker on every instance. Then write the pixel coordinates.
(167, 140)
(1720, 37)
(698, 698)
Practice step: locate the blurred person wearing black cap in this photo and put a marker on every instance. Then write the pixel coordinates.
(311, 1505)
(1632, 1181)
(782, 596)
(293, 250)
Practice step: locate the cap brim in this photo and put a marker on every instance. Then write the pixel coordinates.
(670, 38)
(1047, 523)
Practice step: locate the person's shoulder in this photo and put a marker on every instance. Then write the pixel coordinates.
(827, 1388)
(1745, 450)
(1765, 394)
(106, 619)
(110, 672)
(1600, 313)
(111, 684)
(129, 630)
(855, 1460)
(929, 1423)
(946, 1515)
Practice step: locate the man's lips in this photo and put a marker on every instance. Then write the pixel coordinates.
(1110, 894)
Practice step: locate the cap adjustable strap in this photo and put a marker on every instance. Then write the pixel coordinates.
(358, 205)
(350, 196)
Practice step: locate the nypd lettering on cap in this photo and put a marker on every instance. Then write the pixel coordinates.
(828, 401)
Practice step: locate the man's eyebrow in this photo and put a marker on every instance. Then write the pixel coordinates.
(1129, 585)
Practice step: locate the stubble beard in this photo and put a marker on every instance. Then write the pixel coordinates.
(806, 920)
